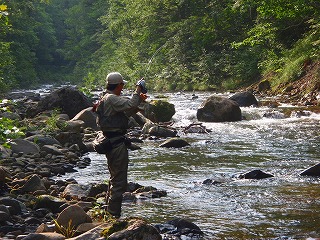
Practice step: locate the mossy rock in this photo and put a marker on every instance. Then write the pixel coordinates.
(115, 227)
(163, 110)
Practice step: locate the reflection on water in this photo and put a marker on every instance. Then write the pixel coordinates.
(284, 207)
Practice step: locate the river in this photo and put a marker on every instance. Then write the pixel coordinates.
(286, 206)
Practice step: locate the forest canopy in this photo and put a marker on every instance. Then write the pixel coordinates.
(173, 44)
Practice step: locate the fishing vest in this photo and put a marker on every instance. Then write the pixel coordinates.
(117, 121)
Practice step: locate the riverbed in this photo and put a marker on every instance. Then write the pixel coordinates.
(286, 206)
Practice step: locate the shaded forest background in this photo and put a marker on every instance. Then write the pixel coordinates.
(174, 44)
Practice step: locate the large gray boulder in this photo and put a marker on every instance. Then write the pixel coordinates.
(69, 99)
(88, 117)
(219, 109)
(245, 99)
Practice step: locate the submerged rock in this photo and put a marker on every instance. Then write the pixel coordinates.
(179, 229)
(255, 174)
(174, 142)
(245, 99)
(313, 171)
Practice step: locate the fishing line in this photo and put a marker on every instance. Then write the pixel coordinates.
(152, 57)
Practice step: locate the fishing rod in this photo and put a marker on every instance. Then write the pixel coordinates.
(142, 81)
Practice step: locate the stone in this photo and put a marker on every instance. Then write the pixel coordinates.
(42, 236)
(4, 216)
(255, 174)
(69, 99)
(49, 149)
(133, 229)
(75, 126)
(73, 215)
(88, 117)
(181, 229)
(5, 152)
(160, 131)
(21, 145)
(4, 175)
(175, 143)
(245, 99)
(33, 184)
(76, 191)
(49, 202)
(42, 140)
(15, 206)
(94, 233)
(159, 111)
(313, 171)
(219, 109)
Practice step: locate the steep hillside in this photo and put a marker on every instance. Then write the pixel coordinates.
(303, 91)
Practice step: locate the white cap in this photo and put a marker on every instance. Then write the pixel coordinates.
(115, 78)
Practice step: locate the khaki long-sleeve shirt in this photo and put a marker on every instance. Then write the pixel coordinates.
(114, 111)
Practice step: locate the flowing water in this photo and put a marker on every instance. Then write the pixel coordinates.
(286, 206)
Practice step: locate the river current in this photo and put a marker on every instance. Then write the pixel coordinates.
(286, 206)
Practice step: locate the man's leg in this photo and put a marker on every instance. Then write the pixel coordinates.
(118, 167)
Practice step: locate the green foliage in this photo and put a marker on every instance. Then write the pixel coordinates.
(67, 231)
(52, 123)
(303, 52)
(174, 45)
(88, 84)
(9, 129)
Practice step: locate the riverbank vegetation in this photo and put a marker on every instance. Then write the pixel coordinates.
(175, 45)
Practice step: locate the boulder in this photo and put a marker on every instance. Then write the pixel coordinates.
(10, 115)
(69, 99)
(27, 95)
(180, 228)
(245, 99)
(131, 229)
(159, 111)
(160, 131)
(75, 126)
(42, 140)
(49, 202)
(4, 152)
(264, 86)
(255, 174)
(73, 215)
(15, 206)
(94, 233)
(43, 236)
(88, 117)
(4, 174)
(33, 184)
(70, 138)
(22, 145)
(76, 191)
(175, 143)
(51, 150)
(219, 109)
